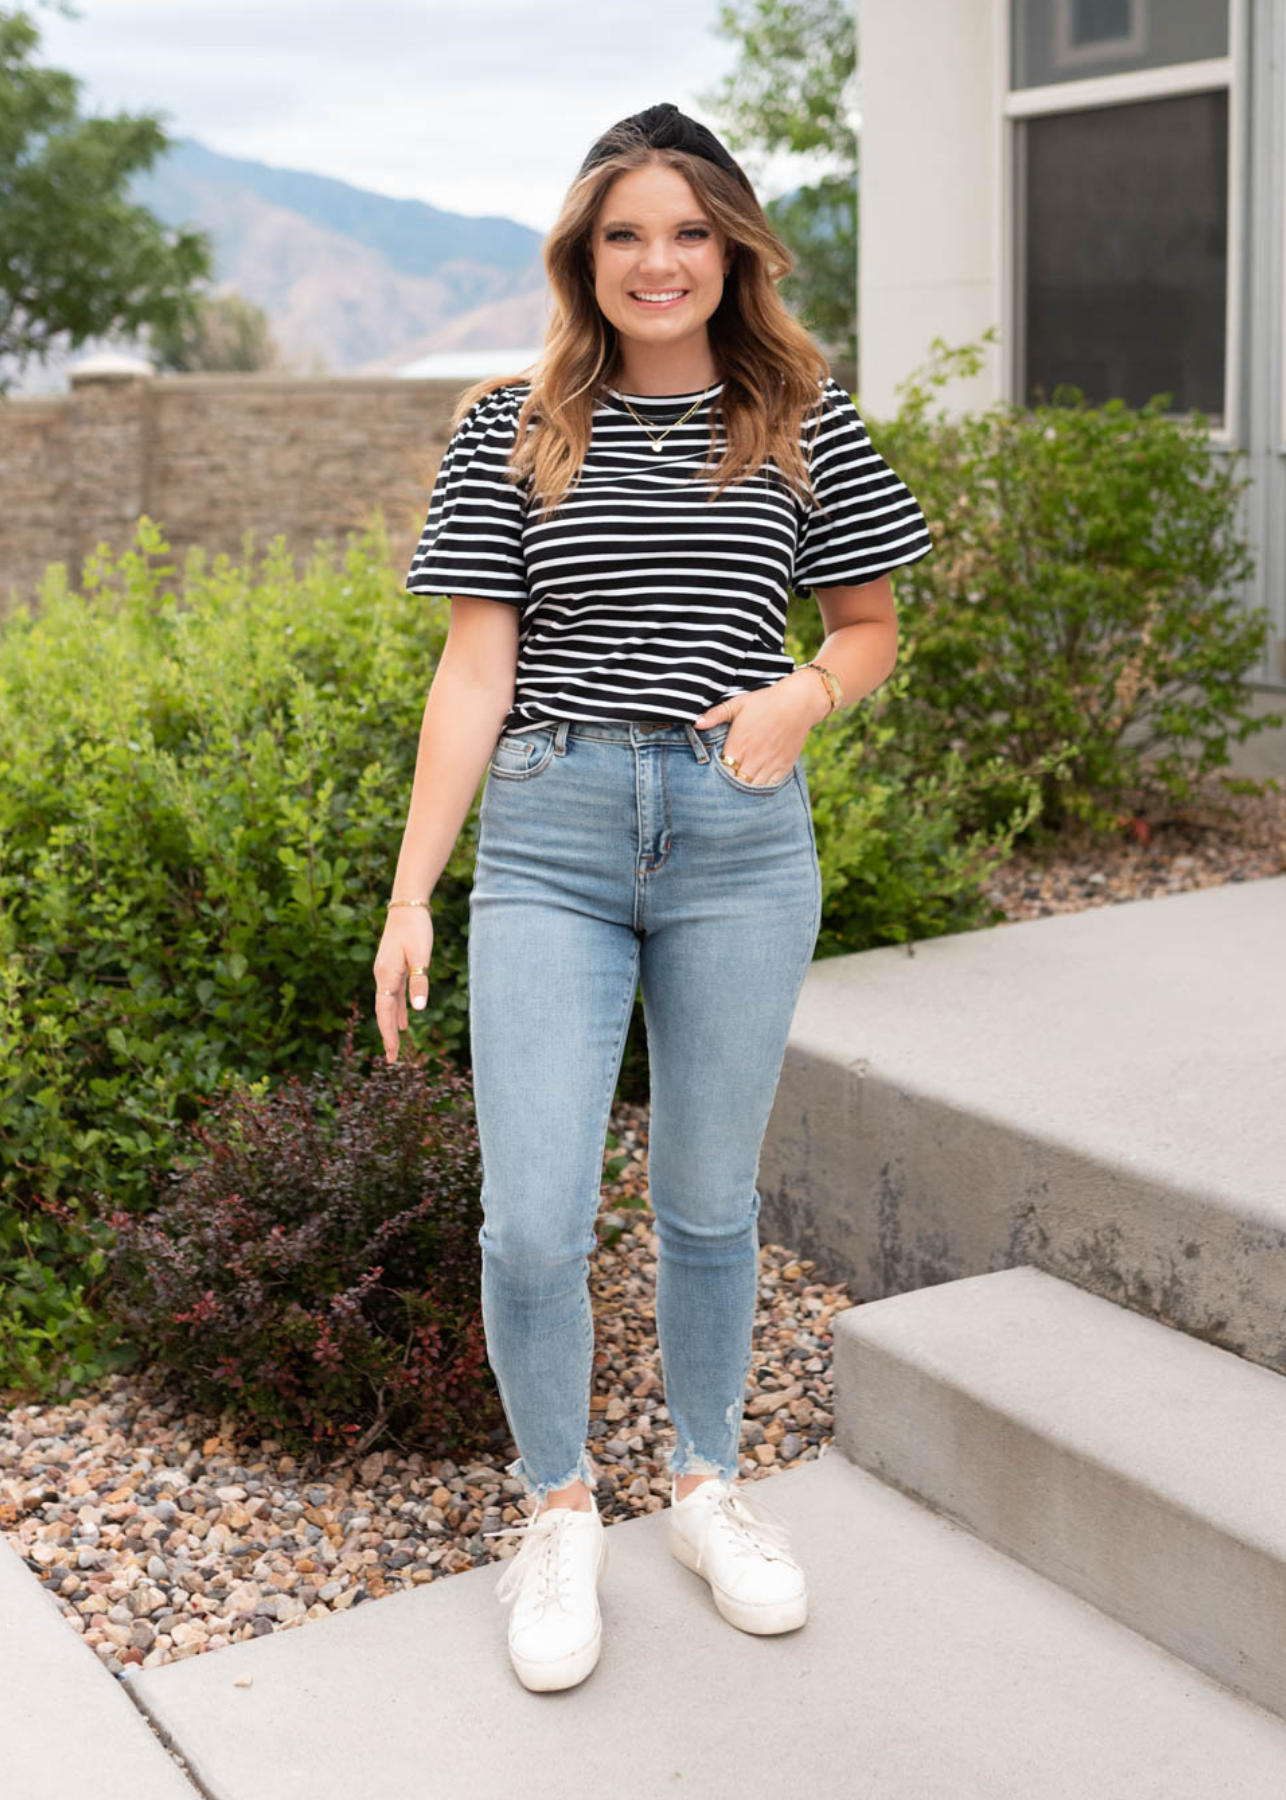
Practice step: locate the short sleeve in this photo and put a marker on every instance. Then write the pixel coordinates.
(872, 522)
(472, 539)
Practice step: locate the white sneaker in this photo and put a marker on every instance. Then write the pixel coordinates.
(742, 1552)
(555, 1629)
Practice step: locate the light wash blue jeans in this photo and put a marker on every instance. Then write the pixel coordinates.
(610, 854)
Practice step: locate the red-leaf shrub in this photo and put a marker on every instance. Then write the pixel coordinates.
(314, 1266)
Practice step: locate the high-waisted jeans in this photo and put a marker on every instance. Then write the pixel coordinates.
(611, 854)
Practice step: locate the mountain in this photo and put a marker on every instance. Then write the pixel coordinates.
(355, 279)
(351, 281)
(410, 236)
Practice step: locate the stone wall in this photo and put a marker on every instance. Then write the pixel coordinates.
(209, 458)
(36, 490)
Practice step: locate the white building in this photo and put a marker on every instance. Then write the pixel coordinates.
(1105, 182)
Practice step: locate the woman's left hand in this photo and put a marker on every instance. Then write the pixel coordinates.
(769, 726)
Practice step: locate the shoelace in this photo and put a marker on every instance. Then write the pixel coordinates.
(542, 1548)
(759, 1529)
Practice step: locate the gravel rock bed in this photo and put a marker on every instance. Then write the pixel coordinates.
(162, 1536)
(1212, 839)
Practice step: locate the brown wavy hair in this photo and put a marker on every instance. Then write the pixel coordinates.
(769, 364)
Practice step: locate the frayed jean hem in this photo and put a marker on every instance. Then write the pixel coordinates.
(583, 1471)
(689, 1463)
(684, 1457)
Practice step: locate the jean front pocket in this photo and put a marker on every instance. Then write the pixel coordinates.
(717, 747)
(521, 754)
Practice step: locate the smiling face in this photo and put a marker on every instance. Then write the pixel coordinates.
(659, 263)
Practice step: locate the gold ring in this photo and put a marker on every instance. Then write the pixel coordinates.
(729, 762)
(421, 971)
(391, 993)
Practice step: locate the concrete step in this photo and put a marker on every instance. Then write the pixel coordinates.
(931, 1665)
(1098, 1094)
(1139, 1468)
(67, 1727)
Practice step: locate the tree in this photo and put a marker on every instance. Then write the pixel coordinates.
(76, 256)
(229, 335)
(795, 89)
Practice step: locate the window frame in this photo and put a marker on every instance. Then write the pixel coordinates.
(1017, 104)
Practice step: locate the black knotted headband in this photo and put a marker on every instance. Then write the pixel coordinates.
(665, 128)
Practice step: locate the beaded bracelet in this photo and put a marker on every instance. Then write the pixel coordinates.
(830, 682)
(410, 903)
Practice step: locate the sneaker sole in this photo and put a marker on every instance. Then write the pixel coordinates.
(763, 1619)
(543, 1675)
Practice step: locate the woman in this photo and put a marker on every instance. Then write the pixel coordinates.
(617, 530)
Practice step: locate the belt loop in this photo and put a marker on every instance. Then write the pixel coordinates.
(697, 741)
(560, 737)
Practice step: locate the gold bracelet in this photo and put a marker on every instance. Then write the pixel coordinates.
(830, 682)
(410, 902)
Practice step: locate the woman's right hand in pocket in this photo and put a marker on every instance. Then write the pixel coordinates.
(407, 944)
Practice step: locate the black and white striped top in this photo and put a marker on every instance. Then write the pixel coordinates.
(640, 598)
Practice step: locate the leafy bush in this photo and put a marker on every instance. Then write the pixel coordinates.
(203, 789)
(897, 860)
(1080, 596)
(311, 1264)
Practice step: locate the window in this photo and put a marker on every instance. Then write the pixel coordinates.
(1126, 228)
(1120, 115)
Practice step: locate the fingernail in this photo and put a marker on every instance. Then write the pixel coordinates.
(419, 1002)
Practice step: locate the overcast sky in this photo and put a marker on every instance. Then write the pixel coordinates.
(476, 106)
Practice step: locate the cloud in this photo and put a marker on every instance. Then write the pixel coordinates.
(477, 106)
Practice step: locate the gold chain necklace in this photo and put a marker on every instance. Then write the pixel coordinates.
(657, 442)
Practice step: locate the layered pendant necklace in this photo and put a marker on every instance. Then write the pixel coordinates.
(656, 442)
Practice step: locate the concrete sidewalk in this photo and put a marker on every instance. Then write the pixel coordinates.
(931, 1665)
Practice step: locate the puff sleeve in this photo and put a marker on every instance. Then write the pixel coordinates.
(872, 522)
(472, 541)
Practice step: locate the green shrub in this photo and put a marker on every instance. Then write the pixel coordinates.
(897, 860)
(203, 789)
(313, 1267)
(1080, 596)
